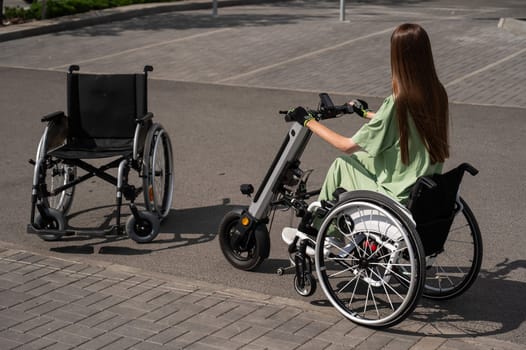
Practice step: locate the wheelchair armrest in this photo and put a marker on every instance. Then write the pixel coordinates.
(144, 118)
(52, 116)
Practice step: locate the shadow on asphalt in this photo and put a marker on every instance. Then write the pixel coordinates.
(182, 227)
(492, 306)
(186, 20)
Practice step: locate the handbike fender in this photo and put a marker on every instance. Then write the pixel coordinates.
(263, 238)
(260, 231)
(257, 228)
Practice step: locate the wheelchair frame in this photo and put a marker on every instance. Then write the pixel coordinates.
(150, 155)
(382, 252)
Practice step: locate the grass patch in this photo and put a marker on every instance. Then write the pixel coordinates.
(58, 8)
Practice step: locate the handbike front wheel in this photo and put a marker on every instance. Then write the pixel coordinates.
(246, 252)
(370, 260)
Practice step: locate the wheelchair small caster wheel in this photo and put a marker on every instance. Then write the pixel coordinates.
(54, 220)
(280, 271)
(309, 285)
(145, 228)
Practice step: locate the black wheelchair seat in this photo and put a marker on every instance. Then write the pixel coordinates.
(102, 114)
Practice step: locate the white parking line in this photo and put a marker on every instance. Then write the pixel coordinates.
(297, 58)
(125, 52)
(489, 66)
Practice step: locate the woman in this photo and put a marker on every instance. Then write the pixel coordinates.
(405, 139)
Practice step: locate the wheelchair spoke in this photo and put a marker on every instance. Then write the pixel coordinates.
(396, 251)
(367, 298)
(444, 276)
(354, 291)
(452, 271)
(342, 271)
(347, 284)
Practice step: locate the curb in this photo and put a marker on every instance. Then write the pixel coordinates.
(90, 18)
(513, 25)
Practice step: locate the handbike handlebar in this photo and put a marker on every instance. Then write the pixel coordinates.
(326, 109)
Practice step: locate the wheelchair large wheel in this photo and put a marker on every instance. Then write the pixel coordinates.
(158, 173)
(246, 253)
(454, 270)
(55, 173)
(369, 260)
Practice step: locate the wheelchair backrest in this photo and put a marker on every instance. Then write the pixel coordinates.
(433, 205)
(105, 106)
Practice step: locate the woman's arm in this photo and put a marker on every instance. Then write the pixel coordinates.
(342, 143)
(369, 115)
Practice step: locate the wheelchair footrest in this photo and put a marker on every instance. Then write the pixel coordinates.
(33, 229)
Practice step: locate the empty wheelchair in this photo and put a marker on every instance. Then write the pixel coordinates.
(374, 258)
(107, 117)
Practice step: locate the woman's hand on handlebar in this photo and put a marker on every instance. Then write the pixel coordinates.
(360, 107)
(300, 115)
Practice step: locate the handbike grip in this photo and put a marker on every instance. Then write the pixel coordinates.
(328, 110)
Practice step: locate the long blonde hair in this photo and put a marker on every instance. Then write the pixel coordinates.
(418, 92)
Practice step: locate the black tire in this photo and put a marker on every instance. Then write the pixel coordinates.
(145, 228)
(372, 271)
(243, 259)
(53, 220)
(309, 285)
(456, 268)
(158, 175)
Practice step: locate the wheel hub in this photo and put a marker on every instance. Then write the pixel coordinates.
(363, 263)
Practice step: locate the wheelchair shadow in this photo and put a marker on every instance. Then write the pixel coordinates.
(182, 227)
(493, 305)
(271, 266)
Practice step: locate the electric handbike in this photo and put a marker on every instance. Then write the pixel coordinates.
(364, 246)
(243, 234)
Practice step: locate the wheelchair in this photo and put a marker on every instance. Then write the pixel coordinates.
(373, 257)
(107, 122)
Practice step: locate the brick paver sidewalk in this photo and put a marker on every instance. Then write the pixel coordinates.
(51, 303)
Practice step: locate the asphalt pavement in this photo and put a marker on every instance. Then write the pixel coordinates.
(216, 87)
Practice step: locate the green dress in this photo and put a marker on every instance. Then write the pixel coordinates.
(378, 166)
